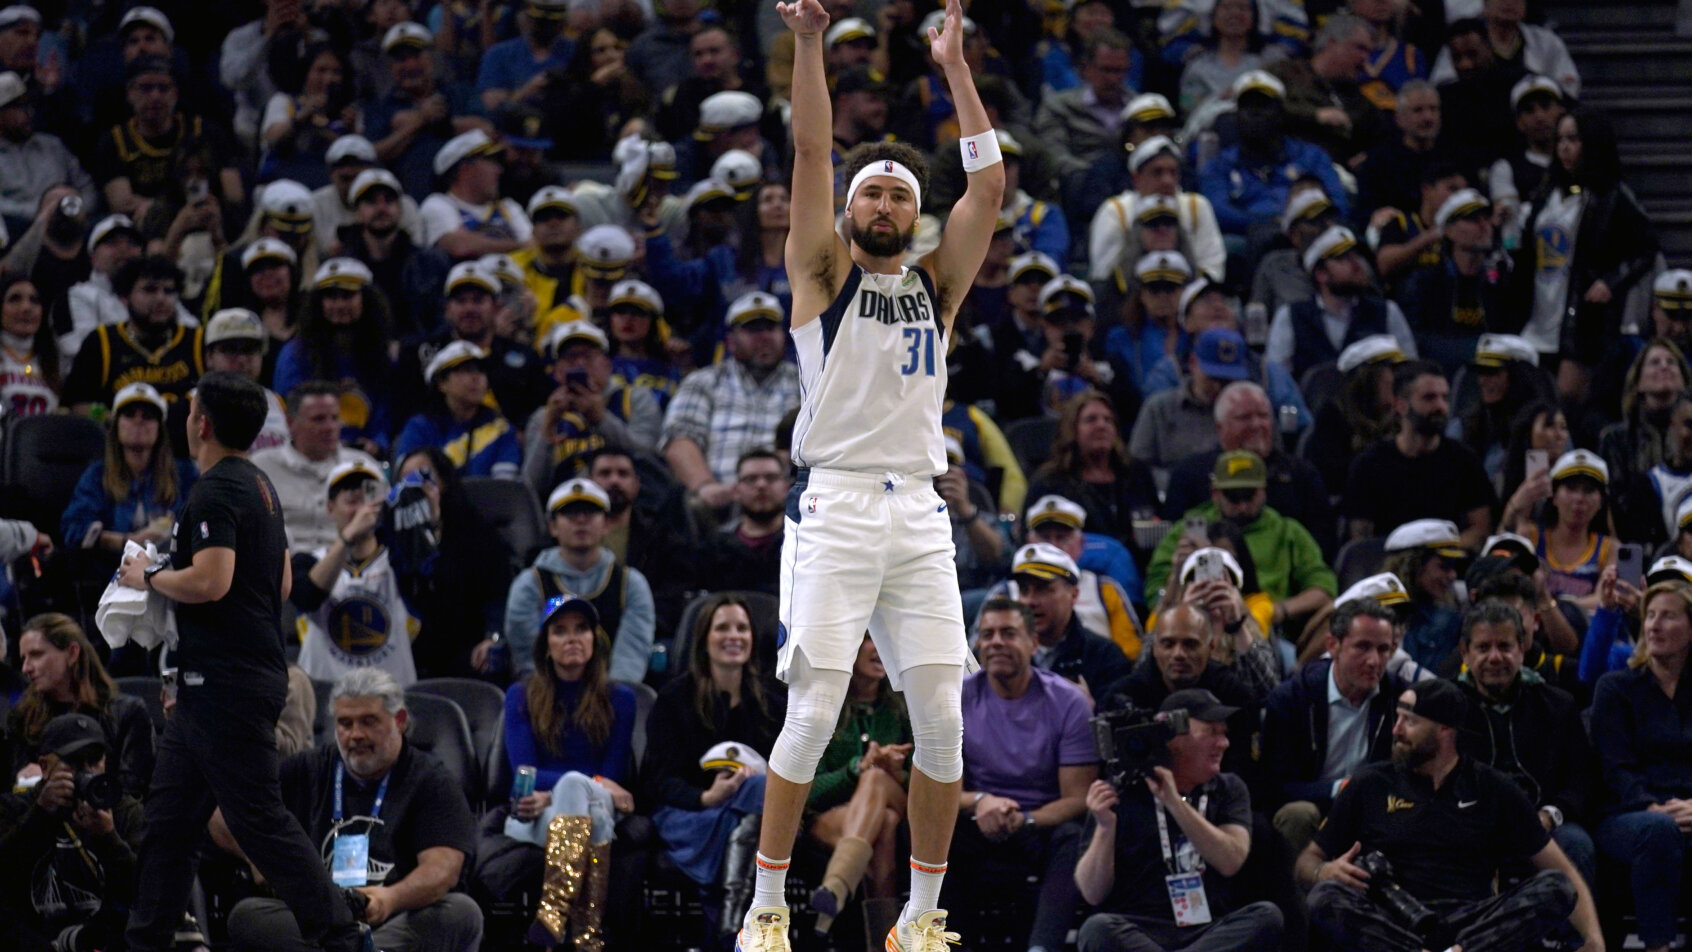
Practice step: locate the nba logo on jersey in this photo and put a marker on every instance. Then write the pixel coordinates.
(972, 153)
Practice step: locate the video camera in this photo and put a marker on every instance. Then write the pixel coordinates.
(1132, 741)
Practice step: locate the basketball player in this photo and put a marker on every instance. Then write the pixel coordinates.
(868, 541)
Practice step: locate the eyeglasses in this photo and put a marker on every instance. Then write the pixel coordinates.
(1239, 496)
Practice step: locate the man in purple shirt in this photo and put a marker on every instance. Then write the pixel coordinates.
(1028, 758)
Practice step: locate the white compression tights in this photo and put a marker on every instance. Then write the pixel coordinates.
(933, 695)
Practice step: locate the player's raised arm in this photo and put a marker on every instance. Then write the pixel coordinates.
(815, 256)
(969, 229)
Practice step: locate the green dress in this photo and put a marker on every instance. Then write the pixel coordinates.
(882, 721)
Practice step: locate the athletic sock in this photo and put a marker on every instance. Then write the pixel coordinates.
(925, 888)
(770, 888)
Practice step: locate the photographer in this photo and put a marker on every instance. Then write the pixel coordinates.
(1201, 852)
(1409, 854)
(70, 874)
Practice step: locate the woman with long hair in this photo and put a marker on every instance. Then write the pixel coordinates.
(1091, 466)
(1639, 725)
(1538, 426)
(1426, 555)
(640, 339)
(135, 490)
(761, 261)
(314, 108)
(1586, 243)
(65, 676)
(707, 810)
(1361, 413)
(346, 337)
(1635, 443)
(1573, 537)
(29, 351)
(575, 727)
(857, 800)
(1507, 380)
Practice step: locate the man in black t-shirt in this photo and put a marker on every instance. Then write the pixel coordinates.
(228, 574)
(1159, 860)
(390, 822)
(1418, 473)
(1445, 823)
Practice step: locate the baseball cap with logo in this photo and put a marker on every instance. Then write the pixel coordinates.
(752, 307)
(1463, 203)
(567, 602)
(1033, 263)
(1054, 508)
(1045, 561)
(1439, 535)
(1239, 469)
(1221, 353)
(578, 490)
(68, 734)
(1518, 550)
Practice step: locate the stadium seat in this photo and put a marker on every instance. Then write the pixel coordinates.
(1031, 440)
(438, 725)
(1359, 559)
(484, 707)
(645, 697)
(42, 459)
(1321, 384)
(512, 510)
(148, 690)
(325, 727)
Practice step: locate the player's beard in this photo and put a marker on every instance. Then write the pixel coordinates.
(881, 244)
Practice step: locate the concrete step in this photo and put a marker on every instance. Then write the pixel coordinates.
(1657, 61)
(1657, 176)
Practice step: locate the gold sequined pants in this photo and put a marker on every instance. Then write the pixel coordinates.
(573, 892)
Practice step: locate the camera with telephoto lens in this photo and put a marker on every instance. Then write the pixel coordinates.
(1133, 741)
(99, 790)
(1407, 909)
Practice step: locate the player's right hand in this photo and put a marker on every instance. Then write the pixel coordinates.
(804, 17)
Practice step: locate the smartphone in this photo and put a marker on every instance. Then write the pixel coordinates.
(576, 379)
(1288, 418)
(1630, 564)
(1209, 568)
(1198, 530)
(1537, 461)
(198, 189)
(1257, 324)
(373, 491)
(1074, 348)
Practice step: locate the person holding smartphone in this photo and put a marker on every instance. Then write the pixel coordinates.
(352, 614)
(589, 409)
(1567, 536)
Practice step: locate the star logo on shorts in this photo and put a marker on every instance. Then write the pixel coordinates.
(887, 485)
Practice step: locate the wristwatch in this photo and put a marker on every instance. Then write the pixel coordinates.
(153, 570)
(1554, 813)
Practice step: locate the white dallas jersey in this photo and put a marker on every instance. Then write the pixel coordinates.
(362, 624)
(872, 378)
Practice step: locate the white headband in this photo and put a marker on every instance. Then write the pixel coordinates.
(886, 167)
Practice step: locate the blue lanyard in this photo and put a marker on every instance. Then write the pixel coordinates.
(381, 792)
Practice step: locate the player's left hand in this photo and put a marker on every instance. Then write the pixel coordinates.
(946, 44)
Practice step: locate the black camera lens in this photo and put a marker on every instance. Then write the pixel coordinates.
(100, 791)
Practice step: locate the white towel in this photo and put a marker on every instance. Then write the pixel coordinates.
(127, 614)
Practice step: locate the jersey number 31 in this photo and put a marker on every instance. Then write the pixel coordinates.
(920, 350)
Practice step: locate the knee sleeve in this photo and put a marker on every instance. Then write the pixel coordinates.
(934, 697)
(814, 697)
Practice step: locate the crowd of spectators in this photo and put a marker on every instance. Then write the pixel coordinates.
(1323, 382)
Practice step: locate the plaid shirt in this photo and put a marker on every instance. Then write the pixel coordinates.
(727, 412)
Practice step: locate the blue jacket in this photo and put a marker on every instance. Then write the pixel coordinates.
(90, 504)
(1600, 652)
(1643, 739)
(1295, 733)
(1245, 194)
(691, 284)
(486, 446)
